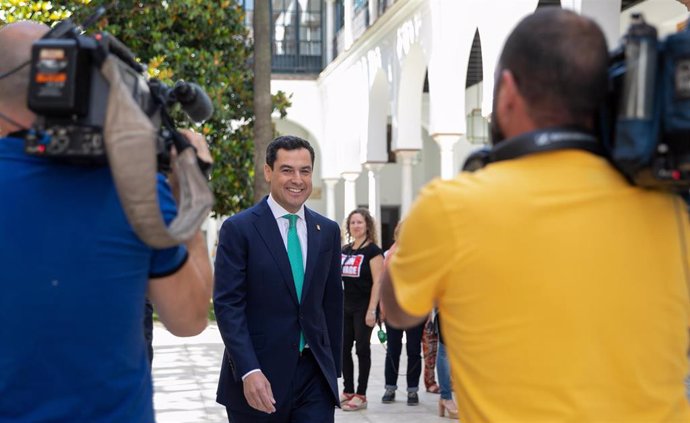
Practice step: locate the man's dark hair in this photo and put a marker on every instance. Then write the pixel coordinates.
(286, 142)
(559, 61)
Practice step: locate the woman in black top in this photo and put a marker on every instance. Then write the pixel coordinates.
(362, 266)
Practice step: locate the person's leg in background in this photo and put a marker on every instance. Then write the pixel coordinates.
(393, 350)
(363, 351)
(446, 402)
(348, 365)
(414, 362)
(430, 347)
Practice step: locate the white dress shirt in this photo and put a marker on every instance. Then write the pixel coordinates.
(284, 225)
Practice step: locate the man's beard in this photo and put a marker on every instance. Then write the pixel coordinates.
(497, 134)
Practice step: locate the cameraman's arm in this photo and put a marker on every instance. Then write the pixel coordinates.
(414, 279)
(182, 299)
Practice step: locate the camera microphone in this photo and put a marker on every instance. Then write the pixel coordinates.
(194, 101)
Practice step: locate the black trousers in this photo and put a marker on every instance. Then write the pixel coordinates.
(311, 398)
(414, 356)
(355, 331)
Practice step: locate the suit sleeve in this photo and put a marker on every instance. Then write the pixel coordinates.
(333, 302)
(229, 298)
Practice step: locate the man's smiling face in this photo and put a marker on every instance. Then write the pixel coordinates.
(290, 178)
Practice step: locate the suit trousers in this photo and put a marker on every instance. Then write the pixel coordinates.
(310, 399)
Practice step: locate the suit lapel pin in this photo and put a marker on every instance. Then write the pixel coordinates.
(318, 227)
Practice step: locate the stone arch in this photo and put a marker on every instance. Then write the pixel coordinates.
(351, 94)
(494, 29)
(375, 149)
(477, 125)
(548, 3)
(407, 121)
(475, 72)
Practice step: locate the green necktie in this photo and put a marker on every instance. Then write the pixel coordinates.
(294, 250)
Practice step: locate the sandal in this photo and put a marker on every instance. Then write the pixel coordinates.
(447, 406)
(358, 402)
(433, 389)
(345, 397)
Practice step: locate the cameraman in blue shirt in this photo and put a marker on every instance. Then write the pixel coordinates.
(75, 275)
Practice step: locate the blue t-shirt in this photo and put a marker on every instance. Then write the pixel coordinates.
(73, 277)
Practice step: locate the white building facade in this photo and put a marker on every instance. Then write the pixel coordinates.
(404, 88)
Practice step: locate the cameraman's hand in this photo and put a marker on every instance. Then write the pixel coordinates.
(202, 153)
(199, 143)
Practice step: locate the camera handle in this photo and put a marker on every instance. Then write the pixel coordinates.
(179, 141)
(130, 140)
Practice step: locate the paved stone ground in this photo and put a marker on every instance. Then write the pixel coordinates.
(185, 373)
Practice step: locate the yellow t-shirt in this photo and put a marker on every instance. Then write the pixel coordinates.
(562, 290)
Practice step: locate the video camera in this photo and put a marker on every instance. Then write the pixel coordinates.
(646, 126)
(95, 107)
(69, 94)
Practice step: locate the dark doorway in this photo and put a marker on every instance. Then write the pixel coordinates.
(390, 215)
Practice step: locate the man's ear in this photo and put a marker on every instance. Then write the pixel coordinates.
(508, 95)
(267, 172)
(511, 105)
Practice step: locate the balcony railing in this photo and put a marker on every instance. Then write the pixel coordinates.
(294, 63)
(361, 20)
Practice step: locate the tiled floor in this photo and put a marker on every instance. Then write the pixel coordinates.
(185, 372)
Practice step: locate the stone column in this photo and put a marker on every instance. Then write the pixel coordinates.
(373, 12)
(375, 195)
(350, 192)
(405, 157)
(330, 30)
(348, 15)
(330, 197)
(447, 144)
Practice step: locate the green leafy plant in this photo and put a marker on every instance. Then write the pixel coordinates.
(202, 41)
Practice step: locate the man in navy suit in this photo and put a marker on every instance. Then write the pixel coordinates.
(279, 300)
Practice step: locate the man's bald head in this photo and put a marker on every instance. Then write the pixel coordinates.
(15, 49)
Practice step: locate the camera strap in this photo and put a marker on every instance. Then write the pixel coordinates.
(546, 140)
(550, 139)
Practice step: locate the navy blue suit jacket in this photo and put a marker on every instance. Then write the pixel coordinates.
(256, 304)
